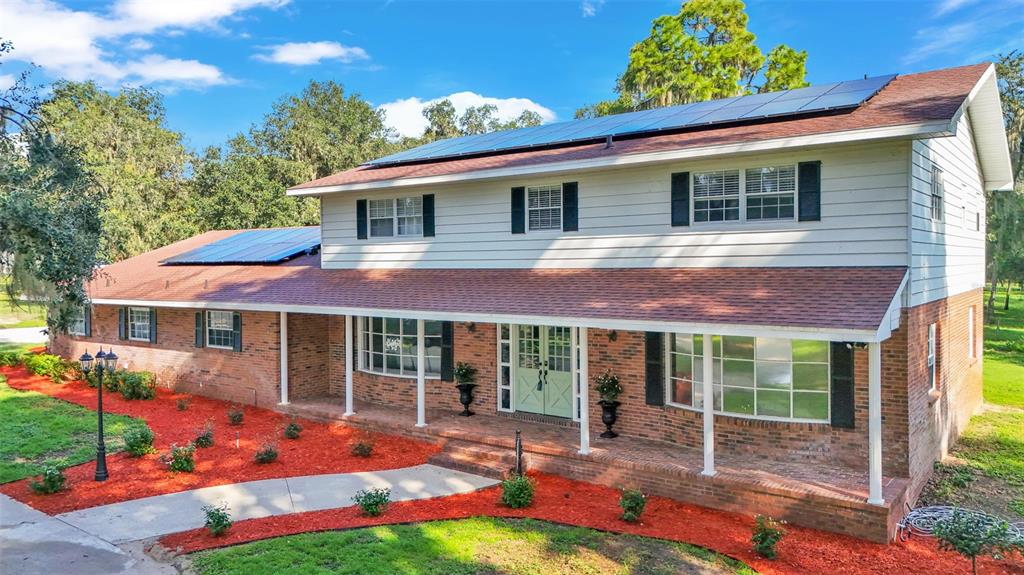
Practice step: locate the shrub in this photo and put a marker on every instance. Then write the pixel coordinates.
(138, 441)
(236, 415)
(53, 480)
(9, 358)
(45, 364)
(181, 459)
(218, 520)
(973, 535)
(464, 373)
(292, 430)
(608, 386)
(632, 503)
(183, 403)
(374, 501)
(137, 385)
(205, 437)
(517, 491)
(267, 453)
(767, 534)
(362, 448)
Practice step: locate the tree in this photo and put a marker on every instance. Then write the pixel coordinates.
(444, 122)
(49, 209)
(704, 52)
(973, 535)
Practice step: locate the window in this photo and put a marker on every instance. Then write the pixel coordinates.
(544, 207)
(77, 325)
(933, 383)
(972, 220)
(220, 329)
(389, 346)
(716, 196)
(505, 367)
(396, 217)
(762, 377)
(770, 192)
(972, 351)
(938, 194)
(138, 323)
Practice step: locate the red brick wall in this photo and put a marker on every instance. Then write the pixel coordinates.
(308, 355)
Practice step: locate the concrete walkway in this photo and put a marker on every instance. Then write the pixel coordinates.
(22, 335)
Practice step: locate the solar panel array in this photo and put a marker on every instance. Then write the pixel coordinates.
(253, 247)
(825, 97)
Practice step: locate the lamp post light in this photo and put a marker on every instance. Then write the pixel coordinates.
(104, 362)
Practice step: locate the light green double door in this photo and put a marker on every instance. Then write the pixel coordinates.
(544, 370)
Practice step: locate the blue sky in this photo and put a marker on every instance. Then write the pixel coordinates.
(222, 63)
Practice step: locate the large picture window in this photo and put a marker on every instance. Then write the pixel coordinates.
(138, 323)
(760, 377)
(220, 329)
(396, 217)
(389, 346)
(544, 207)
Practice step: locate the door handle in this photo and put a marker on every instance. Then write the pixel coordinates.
(542, 375)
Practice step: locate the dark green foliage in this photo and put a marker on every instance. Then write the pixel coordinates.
(218, 520)
(464, 373)
(767, 534)
(52, 481)
(973, 535)
(138, 441)
(608, 386)
(362, 449)
(10, 358)
(374, 501)
(517, 491)
(267, 452)
(181, 459)
(236, 415)
(205, 437)
(632, 503)
(47, 365)
(292, 430)
(138, 385)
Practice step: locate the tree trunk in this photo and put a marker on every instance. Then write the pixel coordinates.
(974, 565)
(1006, 302)
(990, 308)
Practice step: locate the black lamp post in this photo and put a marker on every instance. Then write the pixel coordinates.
(104, 362)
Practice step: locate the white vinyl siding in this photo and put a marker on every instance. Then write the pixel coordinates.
(220, 329)
(138, 323)
(624, 221)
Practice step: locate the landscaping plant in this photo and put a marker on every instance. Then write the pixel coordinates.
(218, 520)
(373, 501)
(181, 459)
(9, 358)
(363, 446)
(53, 480)
(292, 430)
(183, 403)
(632, 503)
(137, 385)
(48, 365)
(973, 535)
(464, 372)
(517, 491)
(205, 437)
(767, 534)
(267, 453)
(608, 386)
(138, 441)
(236, 415)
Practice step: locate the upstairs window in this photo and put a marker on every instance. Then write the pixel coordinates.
(396, 217)
(138, 323)
(770, 192)
(716, 196)
(544, 207)
(938, 194)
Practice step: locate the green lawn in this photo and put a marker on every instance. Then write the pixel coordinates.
(463, 547)
(1004, 353)
(38, 430)
(19, 314)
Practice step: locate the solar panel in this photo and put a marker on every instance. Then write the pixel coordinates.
(820, 98)
(269, 246)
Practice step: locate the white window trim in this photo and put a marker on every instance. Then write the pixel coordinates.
(937, 185)
(149, 323)
(561, 210)
(394, 219)
(931, 360)
(361, 322)
(743, 197)
(501, 364)
(208, 327)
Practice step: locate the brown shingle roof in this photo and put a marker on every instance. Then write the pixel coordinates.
(853, 298)
(910, 99)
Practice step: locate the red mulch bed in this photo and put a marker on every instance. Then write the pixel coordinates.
(322, 448)
(565, 501)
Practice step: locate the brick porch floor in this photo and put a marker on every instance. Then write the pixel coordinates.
(826, 497)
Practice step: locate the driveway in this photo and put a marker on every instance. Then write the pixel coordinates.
(22, 335)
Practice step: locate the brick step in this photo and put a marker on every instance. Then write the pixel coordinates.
(476, 458)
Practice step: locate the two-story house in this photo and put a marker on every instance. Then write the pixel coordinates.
(788, 287)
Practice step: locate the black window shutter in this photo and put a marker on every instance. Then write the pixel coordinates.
(122, 323)
(809, 180)
(152, 325)
(447, 351)
(842, 385)
(87, 313)
(428, 215)
(654, 348)
(200, 331)
(570, 207)
(236, 339)
(681, 199)
(519, 210)
(361, 219)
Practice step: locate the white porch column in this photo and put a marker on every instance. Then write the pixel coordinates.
(421, 375)
(349, 357)
(584, 376)
(875, 424)
(283, 321)
(708, 393)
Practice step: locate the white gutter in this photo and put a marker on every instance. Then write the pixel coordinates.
(919, 130)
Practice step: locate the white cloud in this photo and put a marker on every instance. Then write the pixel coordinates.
(936, 40)
(76, 44)
(978, 31)
(6, 81)
(947, 6)
(591, 7)
(306, 53)
(406, 115)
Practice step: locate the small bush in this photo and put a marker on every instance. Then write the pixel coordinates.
(183, 403)
(48, 365)
(138, 441)
(767, 534)
(218, 520)
(292, 430)
(608, 386)
(9, 358)
(52, 481)
(632, 503)
(973, 535)
(205, 437)
(181, 459)
(374, 501)
(267, 453)
(363, 448)
(236, 415)
(517, 491)
(137, 385)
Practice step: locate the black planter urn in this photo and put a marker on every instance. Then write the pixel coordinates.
(609, 415)
(466, 397)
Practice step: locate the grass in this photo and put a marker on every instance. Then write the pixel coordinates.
(469, 546)
(18, 313)
(18, 347)
(1004, 353)
(38, 431)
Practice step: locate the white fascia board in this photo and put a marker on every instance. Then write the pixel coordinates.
(854, 335)
(985, 112)
(921, 130)
(885, 329)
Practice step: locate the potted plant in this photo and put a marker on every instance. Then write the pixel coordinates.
(465, 374)
(609, 389)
